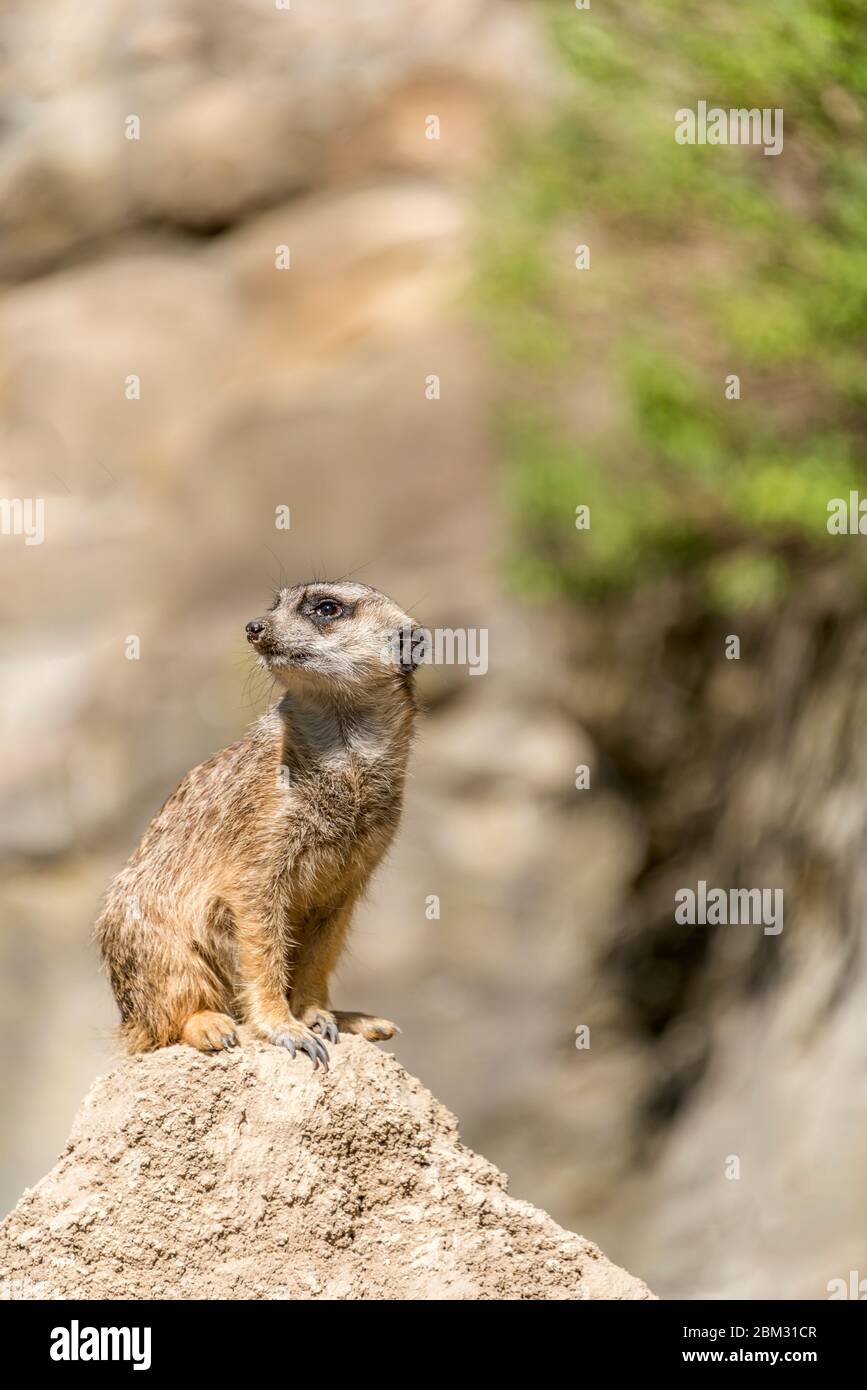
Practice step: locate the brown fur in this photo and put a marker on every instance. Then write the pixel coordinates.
(237, 902)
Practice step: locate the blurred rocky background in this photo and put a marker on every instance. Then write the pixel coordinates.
(309, 388)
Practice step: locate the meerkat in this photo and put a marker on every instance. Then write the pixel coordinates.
(237, 903)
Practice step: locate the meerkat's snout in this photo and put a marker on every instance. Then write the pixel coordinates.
(254, 630)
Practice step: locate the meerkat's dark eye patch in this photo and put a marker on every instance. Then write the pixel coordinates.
(328, 608)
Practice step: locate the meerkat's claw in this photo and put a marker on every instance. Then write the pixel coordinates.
(285, 1040)
(209, 1032)
(322, 1022)
(297, 1037)
(327, 1027)
(316, 1052)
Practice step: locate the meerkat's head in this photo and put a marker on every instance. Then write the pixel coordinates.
(345, 634)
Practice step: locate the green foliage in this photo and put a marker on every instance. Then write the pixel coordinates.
(706, 261)
(745, 580)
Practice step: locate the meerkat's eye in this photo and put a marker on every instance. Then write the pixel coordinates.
(328, 609)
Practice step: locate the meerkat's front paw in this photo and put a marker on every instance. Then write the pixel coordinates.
(295, 1037)
(321, 1021)
(374, 1029)
(209, 1032)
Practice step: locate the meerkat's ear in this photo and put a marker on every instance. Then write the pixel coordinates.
(407, 643)
(416, 647)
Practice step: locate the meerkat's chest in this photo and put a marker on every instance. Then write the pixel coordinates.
(337, 830)
(342, 814)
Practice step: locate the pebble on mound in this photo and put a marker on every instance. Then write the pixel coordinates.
(246, 1175)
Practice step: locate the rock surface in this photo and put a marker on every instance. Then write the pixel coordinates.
(247, 1176)
(237, 106)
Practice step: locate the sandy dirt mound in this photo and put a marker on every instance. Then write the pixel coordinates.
(248, 1176)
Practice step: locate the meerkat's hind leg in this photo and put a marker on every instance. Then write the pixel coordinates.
(209, 1031)
(367, 1025)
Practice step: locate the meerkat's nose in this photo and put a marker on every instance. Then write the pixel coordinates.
(254, 630)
